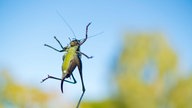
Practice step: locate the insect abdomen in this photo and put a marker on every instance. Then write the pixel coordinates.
(70, 55)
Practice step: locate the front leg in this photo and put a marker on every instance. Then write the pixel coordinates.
(54, 48)
(86, 35)
(63, 48)
(89, 57)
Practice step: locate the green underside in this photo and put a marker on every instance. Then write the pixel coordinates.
(71, 53)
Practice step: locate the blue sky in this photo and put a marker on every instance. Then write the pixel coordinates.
(26, 25)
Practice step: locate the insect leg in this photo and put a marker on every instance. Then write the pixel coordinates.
(59, 42)
(84, 54)
(74, 80)
(86, 34)
(79, 64)
(52, 77)
(54, 48)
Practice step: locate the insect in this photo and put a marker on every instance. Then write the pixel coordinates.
(71, 60)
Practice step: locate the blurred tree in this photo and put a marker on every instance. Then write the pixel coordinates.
(14, 95)
(147, 76)
(181, 94)
(147, 66)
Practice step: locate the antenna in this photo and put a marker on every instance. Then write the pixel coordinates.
(69, 39)
(66, 24)
(96, 34)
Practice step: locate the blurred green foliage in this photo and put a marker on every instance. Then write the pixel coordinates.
(15, 95)
(147, 76)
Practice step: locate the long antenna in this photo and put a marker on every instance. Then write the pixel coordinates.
(95, 35)
(66, 23)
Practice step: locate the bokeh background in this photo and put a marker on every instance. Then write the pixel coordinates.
(142, 60)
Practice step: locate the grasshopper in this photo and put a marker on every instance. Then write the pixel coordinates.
(71, 60)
